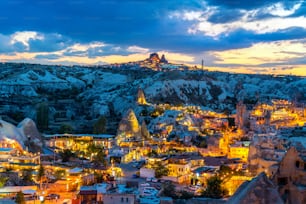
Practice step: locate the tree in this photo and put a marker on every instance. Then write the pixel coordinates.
(59, 174)
(160, 170)
(42, 114)
(99, 158)
(100, 126)
(203, 144)
(65, 128)
(97, 154)
(27, 175)
(153, 153)
(169, 189)
(66, 154)
(214, 189)
(157, 112)
(225, 170)
(91, 149)
(185, 194)
(3, 181)
(41, 174)
(20, 198)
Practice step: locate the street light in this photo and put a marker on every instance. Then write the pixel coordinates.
(41, 198)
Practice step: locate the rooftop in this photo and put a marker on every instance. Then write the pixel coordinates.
(5, 149)
(96, 136)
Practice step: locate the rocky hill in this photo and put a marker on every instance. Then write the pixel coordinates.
(78, 96)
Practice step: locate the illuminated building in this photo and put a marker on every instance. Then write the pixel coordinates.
(239, 150)
(78, 142)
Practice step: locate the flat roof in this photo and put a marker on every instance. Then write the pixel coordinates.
(23, 164)
(2, 149)
(97, 136)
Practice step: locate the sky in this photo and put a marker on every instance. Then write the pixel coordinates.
(259, 36)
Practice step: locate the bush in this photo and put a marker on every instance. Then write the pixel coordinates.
(214, 189)
(100, 126)
(65, 128)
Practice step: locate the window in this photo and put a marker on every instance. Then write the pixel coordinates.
(122, 199)
(127, 200)
(282, 181)
(297, 164)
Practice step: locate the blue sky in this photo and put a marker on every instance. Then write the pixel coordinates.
(232, 35)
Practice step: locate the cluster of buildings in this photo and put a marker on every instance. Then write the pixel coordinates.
(190, 145)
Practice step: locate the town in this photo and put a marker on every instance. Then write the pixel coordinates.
(162, 153)
(153, 102)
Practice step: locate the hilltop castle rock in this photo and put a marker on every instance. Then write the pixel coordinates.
(154, 58)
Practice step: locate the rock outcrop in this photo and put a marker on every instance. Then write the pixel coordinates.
(144, 131)
(163, 59)
(154, 58)
(20, 137)
(141, 99)
(28, 128)
(257, 191)
(129, 128)
(10, 136)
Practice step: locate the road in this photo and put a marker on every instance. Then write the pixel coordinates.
(64, 196)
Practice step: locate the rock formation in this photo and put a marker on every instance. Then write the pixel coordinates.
(259, 190)
(129, 128)
(141, 99)
(241, 115)
(291, 176)
(154, 58)
(28, 128)
(144, 131)
(19, 137)
(163, 59)
(10, 136)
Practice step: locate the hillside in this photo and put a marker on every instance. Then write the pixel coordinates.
(79, 95)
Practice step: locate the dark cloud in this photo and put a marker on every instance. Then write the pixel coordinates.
(19, 47)
(90, 20)
(242, 4)
(48, 56)
(225, 16)
(121, 24)
(50, 42)
(75, 53)
(106, 50)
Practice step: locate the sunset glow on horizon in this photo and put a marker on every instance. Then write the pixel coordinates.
(242, 37)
